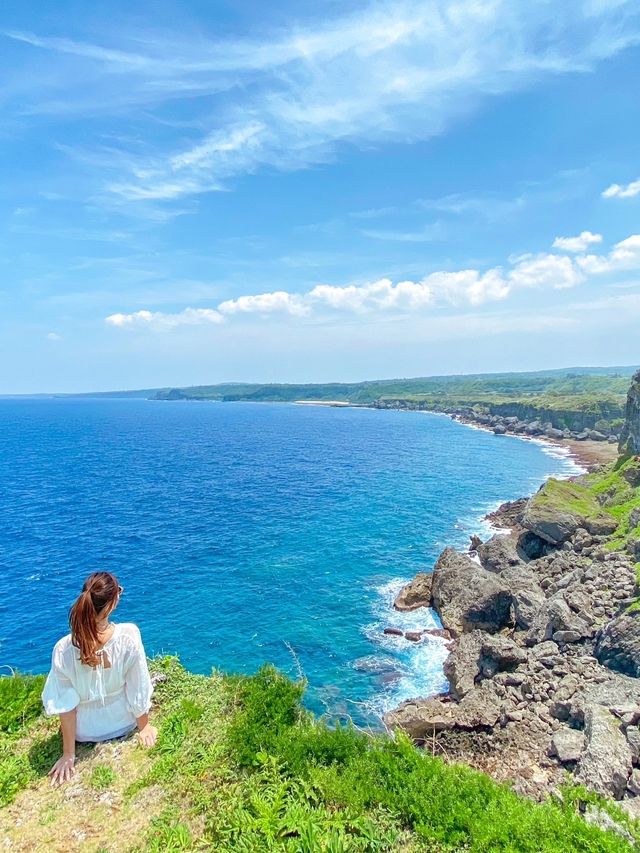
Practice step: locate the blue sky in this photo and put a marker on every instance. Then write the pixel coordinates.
(213, 191)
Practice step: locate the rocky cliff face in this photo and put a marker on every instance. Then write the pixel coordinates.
(630, 437)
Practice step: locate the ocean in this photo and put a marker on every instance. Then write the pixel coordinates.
(245, 533)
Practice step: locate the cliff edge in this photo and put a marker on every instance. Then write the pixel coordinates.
(630, 435)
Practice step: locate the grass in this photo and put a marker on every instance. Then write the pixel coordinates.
(240, 765)
(102, 776)
(568, 496)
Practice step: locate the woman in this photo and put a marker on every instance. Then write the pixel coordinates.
(99, 682)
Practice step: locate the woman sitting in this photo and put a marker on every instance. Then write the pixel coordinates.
(99, 682)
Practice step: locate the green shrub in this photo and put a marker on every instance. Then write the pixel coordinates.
(19, 700)
(269, 705)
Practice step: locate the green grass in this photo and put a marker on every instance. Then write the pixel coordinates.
(102, 776)
(568, 496)
(244, 767)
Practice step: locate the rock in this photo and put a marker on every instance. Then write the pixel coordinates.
(555, 615)
(633, 739)
(393, 632)
(466, 597)
(551, 432)
(499, 429)
(413, 636)
(550, 524)
(567, 745)
(498, 553)
(630, 435)
(479, 655)
(581, 540)
(605, 765)
(634, 782)
(527, 594)
(618, 644)
(462, 667)
(415, 594)
(564, 637)
(603, 525)
(422, 718)
(438, 632)
(634, 518)
(632, 474)
(595, 435)
(475, 542)
(479, 709)
(597, 816)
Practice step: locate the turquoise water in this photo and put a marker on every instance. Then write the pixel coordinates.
(245, 533)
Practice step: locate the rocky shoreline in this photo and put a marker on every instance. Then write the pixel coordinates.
(543, 627)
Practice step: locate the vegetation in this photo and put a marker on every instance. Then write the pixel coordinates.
(240, 765)
(555, 387)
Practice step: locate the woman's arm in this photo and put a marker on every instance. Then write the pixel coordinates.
(64, 768)
(148, 733)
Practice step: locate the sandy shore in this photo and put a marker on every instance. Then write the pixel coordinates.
(340, 404)
(591, 454)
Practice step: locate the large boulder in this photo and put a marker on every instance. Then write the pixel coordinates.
(560, 507)
(467, 597)
(498, 553)
(479, 655)
(527, 594)
(422, 718)
(630, 435)
(618, 644)
(605, 765)
(555, 616)
(567, 745)
(549, 524)
(417, 593)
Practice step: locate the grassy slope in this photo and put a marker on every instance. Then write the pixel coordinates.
(240, 766)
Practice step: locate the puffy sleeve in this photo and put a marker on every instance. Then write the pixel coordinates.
(137, 682)
(59, 694)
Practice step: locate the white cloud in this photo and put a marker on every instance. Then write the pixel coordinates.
(470, 287)
(159, 320)
(379, 295)
(577, 244)
(544, 270)
(54, 336)
(625, 255)
(622, 191)
(265, 303)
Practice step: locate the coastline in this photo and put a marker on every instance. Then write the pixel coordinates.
(587, 454)
(543, 626)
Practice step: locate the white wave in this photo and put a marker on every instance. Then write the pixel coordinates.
(419, 670)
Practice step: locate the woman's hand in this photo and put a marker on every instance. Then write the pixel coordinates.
(148, 735)
(63, 770)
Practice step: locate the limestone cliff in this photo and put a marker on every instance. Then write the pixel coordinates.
(630, 436)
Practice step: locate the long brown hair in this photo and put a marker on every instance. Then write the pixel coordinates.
(99, 594)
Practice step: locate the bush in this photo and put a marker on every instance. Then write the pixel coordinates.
(19, 700)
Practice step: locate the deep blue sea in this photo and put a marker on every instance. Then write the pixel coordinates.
(245, 533)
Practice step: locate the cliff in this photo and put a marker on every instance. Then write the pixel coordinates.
(544, 663)
(630, 436)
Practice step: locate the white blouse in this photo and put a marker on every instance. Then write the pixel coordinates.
(108, 699)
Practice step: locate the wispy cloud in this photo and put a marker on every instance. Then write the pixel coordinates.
(622, 190)
(467, 287)
(399, 71)
(427, 234)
